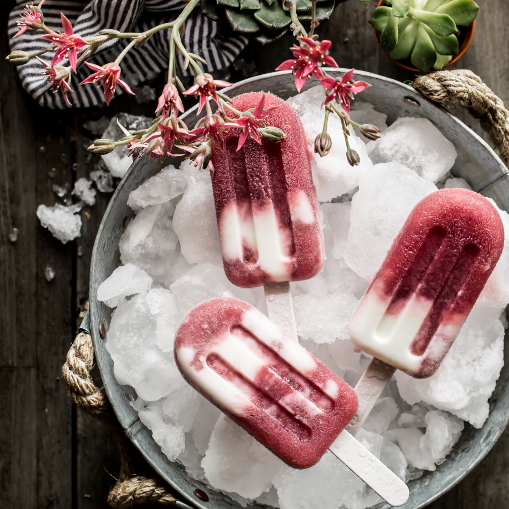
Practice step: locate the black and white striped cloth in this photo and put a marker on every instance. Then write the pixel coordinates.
(202, 36)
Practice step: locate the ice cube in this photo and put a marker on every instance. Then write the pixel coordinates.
(203, 282)
(345, 356)
(457, 182)
(467, 376)
(384, 412)
(236, 462)
(84, 191)
(149, 241)
(416, 143)
(392, 456)
(166, 185)
(333, 176)
(63, 222)
(103, 180)
(337, 216)
(124, 281)
(195, 221)
(323, 318)
(385, 198)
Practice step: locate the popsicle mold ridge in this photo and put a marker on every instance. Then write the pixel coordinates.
(263, 380)
(266, 204)
(432, 276)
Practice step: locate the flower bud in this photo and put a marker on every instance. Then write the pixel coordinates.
(208, 154)
(102, 147)
(323, 144)
(272, 133)
(109, 31)
(353, 157)
(33, 26)
(18, 57)
(288, 4)
(371, 132)
(152, 145)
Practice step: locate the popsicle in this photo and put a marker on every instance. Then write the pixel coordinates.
(267, 209)
(275, 389)
(425, 289)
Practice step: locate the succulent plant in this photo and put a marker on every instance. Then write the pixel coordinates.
(265, 20)
(423, 30)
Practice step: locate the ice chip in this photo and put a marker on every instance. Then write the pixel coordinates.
(124, 281)
(416, 143)
(63, 223)
(84, 191)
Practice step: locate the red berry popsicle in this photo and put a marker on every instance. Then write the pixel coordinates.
(266, 207)
(275, 389)
(423, 293)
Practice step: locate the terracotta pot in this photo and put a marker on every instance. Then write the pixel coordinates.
(469, 35)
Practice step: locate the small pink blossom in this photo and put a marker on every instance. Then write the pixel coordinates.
(58, 77)
(198, 153)
(29, 18)
(251, 124)
(311, 55)
(109, 76)
(205, 86)
(344, 89)
(68, 44)
(169, 100)
(170, 131)
(212, 127)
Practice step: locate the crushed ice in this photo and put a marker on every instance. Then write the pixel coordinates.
(172, 261)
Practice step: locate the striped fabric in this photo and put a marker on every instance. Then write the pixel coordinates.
(202, 36)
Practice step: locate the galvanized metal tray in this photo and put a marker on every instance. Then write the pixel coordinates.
(477, 163)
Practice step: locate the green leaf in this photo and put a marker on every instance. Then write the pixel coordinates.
(212, 10)
(268, 36)
(399, 8)
(406, 42)
(433, 5)
(380, 17)
(252, 5)
(442, 61)
(463, 12)
(441, 24)
(424, 55)
(443, 45)
(272, 17)
(270, 2)
(389, 35)
(302, 6)
(416, 4)
(229, 3)
(323, 11)
(242, 21)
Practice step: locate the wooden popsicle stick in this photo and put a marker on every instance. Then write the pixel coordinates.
(370, 469)
(373, 381)
(280, 307)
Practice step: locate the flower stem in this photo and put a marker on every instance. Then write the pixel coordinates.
(326, 121)
(295, 19)
(313, 17)
(125, 51)
(231, 108)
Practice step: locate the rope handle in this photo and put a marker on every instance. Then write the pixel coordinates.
(465, 88)
(129, 489)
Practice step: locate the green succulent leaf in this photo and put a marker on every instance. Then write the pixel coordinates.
(272, 17)
(399, 8)
(416, 4)
(268, 36)
(252, 5)
(442, 24)
(228, 3)
(212, 10)
(463, 12)
(442, 61)
(380, 17)
(389, 35)
(242, 21)
(302, 6)
(270, 2)
(406, 41)
(323, 11)
(433, 5)
(424, 55)
(443, 45)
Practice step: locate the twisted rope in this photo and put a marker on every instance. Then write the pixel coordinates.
(465, 88)
(130, 489)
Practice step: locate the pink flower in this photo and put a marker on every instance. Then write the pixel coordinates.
(251, 124)
(58, 77)
(169, 100)
(109, 76)
(200, 154)
(169, 131)
(343, 90)
(310, 57)
(211, 127)
(30, 20)
(68, 44)
(205, 86)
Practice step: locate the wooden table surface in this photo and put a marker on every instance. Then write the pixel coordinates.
(52, 456)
